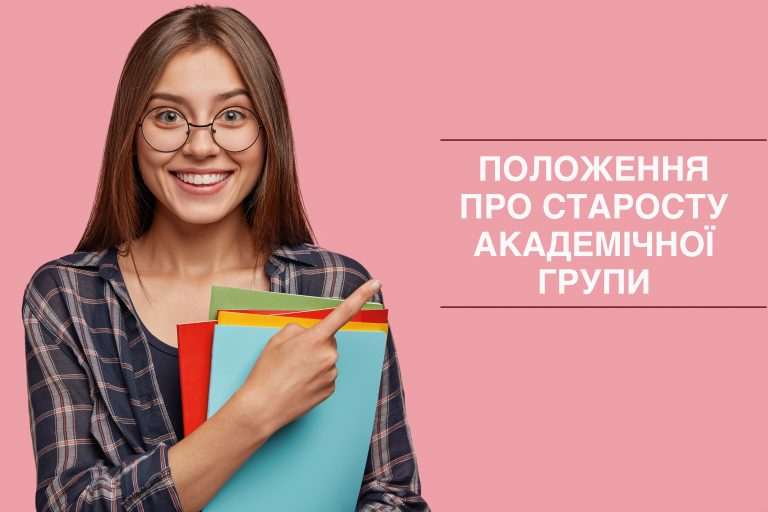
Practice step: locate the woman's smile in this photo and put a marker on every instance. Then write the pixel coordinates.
(201, 181)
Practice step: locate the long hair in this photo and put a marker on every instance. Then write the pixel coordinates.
(123, 206)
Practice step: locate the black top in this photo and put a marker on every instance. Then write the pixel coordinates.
(165, 358)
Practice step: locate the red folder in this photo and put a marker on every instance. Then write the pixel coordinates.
(365, 315)
(195, 346)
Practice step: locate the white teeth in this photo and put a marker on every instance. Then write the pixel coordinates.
(202, 179)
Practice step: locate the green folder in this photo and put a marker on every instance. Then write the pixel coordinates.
(224, 297)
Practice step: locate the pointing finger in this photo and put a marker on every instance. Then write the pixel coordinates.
(344, 312)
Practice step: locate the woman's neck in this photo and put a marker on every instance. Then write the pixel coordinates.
(194, 251)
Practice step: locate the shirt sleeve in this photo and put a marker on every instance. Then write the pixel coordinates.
(391, 480)
(72, 473)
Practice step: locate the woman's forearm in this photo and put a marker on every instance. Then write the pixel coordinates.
(203, 462)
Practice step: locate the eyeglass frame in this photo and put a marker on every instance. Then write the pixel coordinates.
(189, 130)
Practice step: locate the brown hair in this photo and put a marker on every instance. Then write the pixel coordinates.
(123, 207)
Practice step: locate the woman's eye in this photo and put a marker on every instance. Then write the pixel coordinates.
(232, 115)
(168, 117)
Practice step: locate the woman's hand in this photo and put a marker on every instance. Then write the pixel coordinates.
(297, 368)
(295, 372)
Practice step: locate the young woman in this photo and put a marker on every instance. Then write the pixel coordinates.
(198, 187)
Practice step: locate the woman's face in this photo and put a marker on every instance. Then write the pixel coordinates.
(195, 78)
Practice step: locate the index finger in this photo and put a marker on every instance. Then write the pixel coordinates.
(344, 312)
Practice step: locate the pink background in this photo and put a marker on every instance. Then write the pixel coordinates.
(598, 410)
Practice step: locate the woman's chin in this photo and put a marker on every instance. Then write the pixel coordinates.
(200, 215)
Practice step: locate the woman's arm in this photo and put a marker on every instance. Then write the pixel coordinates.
(202, 462)
(391, 480)
(73, 473)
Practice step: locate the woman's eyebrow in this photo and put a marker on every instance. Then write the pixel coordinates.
(180, 99)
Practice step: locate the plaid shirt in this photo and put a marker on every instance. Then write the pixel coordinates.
(100, 430)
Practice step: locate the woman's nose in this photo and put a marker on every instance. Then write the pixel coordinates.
(200, 142)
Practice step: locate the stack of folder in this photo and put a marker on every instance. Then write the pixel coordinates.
(317, 461)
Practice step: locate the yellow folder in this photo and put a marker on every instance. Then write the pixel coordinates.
(255, 319)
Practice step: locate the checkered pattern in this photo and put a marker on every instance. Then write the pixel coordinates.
(100, 429)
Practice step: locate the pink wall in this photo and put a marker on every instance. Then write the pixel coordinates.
(598, 410)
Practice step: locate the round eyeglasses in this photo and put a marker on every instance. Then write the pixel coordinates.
(233, 129)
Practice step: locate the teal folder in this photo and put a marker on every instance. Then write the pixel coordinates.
(317, 461)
